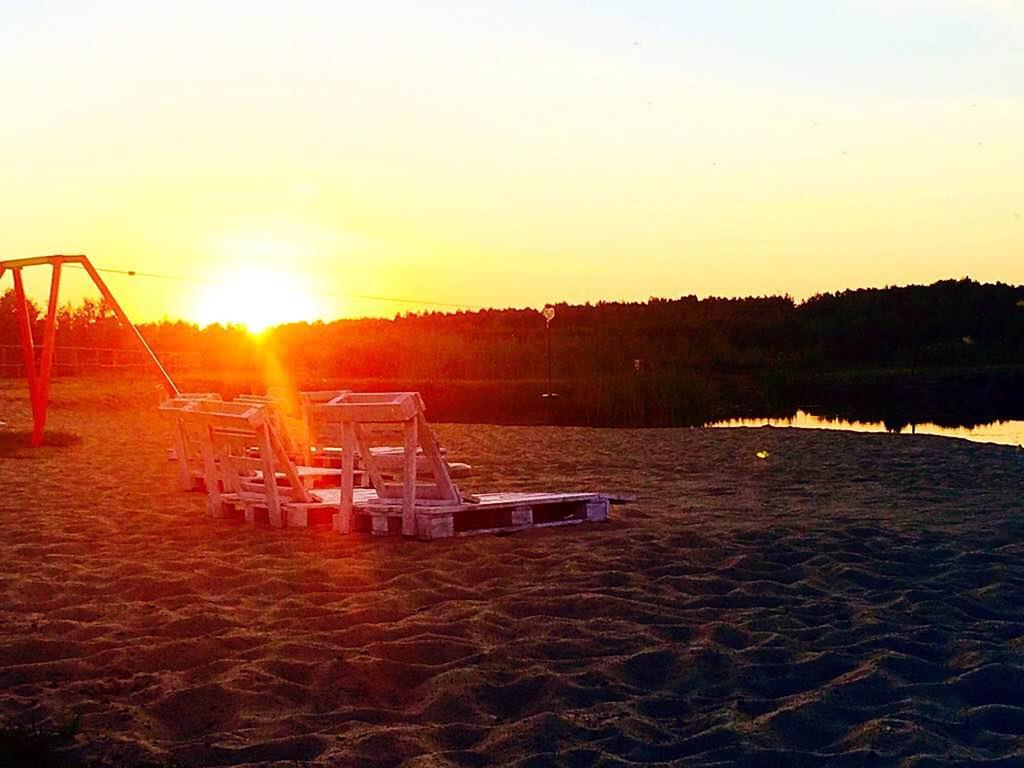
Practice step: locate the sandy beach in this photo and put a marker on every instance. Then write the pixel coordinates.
(850, 600)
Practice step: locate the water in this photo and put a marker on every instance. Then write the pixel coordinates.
(1001, 432)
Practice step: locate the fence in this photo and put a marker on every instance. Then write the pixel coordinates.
(74, 361)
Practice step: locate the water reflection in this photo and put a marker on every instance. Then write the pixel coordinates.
(1001, 432)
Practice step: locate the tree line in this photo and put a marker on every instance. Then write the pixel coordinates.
(675, 356)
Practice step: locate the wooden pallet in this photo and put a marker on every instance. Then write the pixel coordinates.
(495, 513)
(492, 513)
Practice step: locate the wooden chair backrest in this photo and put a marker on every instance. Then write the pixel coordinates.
(314, 441)
(187, 447)
(277, 410)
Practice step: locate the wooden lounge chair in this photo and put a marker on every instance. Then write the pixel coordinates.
(322, 443)
(347, 419)
(246, 465)
(423, 501)
(186, 451)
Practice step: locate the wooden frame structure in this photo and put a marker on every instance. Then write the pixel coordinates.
(350, 414)
(412, 491)
(187, 449)
(246, 465)
(312, 440)
(39, 378)
(321, 443)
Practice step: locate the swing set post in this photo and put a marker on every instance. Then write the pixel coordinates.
(39, 377)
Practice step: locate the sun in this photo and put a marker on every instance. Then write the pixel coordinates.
(256, 298)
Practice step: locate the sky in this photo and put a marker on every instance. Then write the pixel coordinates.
(289, 158)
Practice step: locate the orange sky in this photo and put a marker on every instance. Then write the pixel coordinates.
(510, 153)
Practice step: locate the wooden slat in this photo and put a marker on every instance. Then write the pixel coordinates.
(514, 528)
(373, 465)
(211, 473)
(229, 421)
(424, 492)
(271, 493)
(322, 395)
(182, 450)
(439, 469)
(383, 397)
(227, 408)
(410, 434)
(285, 465)
(368, 413)
(260, 399)
(360, 496)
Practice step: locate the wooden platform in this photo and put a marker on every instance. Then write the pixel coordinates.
(493, 513)
(250, 472)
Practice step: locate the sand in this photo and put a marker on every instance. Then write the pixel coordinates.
(849, 600)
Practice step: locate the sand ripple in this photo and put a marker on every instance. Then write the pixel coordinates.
(854, 600)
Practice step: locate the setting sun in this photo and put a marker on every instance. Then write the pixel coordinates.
(256, 298)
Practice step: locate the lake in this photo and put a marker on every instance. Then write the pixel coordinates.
(1001, 432)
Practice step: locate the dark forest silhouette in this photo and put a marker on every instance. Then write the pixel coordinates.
(898, 353)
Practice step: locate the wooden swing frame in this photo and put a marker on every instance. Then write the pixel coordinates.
(39, 378)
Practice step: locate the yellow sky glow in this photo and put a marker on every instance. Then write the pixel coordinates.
(508, 157)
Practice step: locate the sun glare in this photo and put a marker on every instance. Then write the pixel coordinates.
(257, 299)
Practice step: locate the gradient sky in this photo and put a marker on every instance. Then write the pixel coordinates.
(511, 153)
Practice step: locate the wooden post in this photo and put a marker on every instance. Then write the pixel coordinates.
(343, 521)
(307, 430)
(409, 487)
(185, 478)
(211, 474)
(270, 475)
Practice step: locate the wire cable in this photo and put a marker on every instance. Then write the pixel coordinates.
(359, 296)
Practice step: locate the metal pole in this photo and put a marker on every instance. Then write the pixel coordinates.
(46, 360)
(549, 357)
(27, 347)
(168, 382)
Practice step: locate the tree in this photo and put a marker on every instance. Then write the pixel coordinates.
(9, 333)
